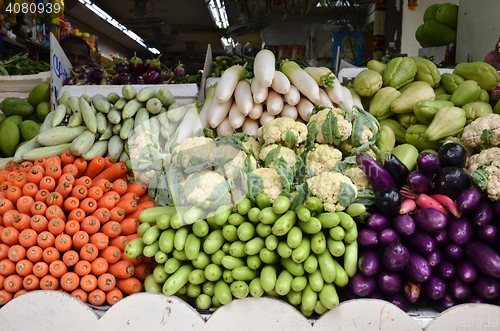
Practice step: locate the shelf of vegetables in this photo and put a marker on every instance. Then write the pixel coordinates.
(288, 188)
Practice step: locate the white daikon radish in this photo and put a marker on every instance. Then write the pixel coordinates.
(228, 81)
(293, 96)
(250, 127)
(356, 99)
(256, 111)
(301, 79)
(266, 117)
(185, 129)
(204, 112)
(305, 108)
(274, 102)
(348, 101)
(335, 92)
(224, 129)
(264, 67)
(322, 75)
(243, 96)
(281, 83)
(289, 111)
(324, 99)
(259, 92)
(236, 118)
(218, 111)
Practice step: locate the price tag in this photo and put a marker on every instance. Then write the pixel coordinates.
(59, 69)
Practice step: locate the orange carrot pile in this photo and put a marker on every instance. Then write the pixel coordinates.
(64, 223)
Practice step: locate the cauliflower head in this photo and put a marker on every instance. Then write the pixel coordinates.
(344, 126)
(206, 183)
(252, 145)
(482, 130)
(359, 178)
(272, 182)
(323, 158)
(327, 187)
(488, 161)
(287, 153)
(276, 130)
(138, 141)
(201, 147)
(487, 155)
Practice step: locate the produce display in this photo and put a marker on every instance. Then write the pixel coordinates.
(20, 64)
(135, 71)
(440, 25)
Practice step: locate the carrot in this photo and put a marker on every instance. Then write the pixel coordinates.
(142, 270)
(50, 254)
(104, 184)
(82, 268)
(10, 235)
(26, 166)
(81, 165)
(21, 222)
(27, 238)
(120, 186)
(112, 254)
(31, 282)
(39, 223)
(129, 286)
(121, 269)
(21, 179)
(14, 193)
(63, 242)
(145, 205)
(54, 159)
(42, 195)
(120, 242)
(108, 161)
(129, 226)
(102, 215)
(57, 268)
(30, 189)
(77, 214)
(13, 283)
(88, 252)
(80, 294)
(106, 282)
(24, 267)
(96, 193)
(64, 189)
(38, 208)
(7, 267)
(11, 177)
(72, 227)
(99, 266)
(55, 199)
(113, 172)
(45, 239)
(67, 157)
(48, 183)
(107, 201)
(94, 167)
(117, 214)
(35, 254)
(20, 292)
(49, 282)
(2, 278)
(66, 178)
(100, 240)
(55, 211)
(88, 282)
(85, 181)
(80, 239)
(53, 171)
(5, 296)
(3, 251)
(36, 174)
(90, 224)
(16, 253)
(113, 296)
(56, 226)
(111, 229)
(97, 297)
(70, 258)
(70, 204)
(130, 196)
(138, 188)
(70, 281)
(88, 205)
(9, 217)
(70, 169)
(40, 269)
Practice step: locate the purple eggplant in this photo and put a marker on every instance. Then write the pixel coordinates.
(379, 177)
(388, 201)
(70, 81)
(153, 65)
(77, 70)
(400, 301)
(453, 252)
(395, 257)
(435, 288)
(447, 302)
(440, 238)
(368, 239)
(139, 80)
(483, 214)
(459, 290)
(362, 286)
(460, 230)
(422, 243)
(489, 234)
(388, 237)
(389, 282)
(136, 65)
(430, 220)
(451, 181)
(121, 67)
(434, 258)
(428, 163)
(83, 79)
(124, 78)
(377, 222)
(393, 166)
(452, 155)
(419, 182)
(467, 271)
(484, 257)
(109, 70)
(412, 290)
(496, 208)
(418, 268)
(446, 271)
(475, 299)
(404, 225)
(377, 295)
(107, 81)
(487, 287)
(96, 73)
(469, 199)
(166, 76)
(369, 263)
(179, 70)
(152, 77)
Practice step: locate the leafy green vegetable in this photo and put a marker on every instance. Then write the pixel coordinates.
(330, 130)
(312, 133)
(363, 118)
(220, 195)
(255, 186)
(272, 155)
(481, 176)
(346, 163)
(191, 184)
(286, 175)
(487, 133)
(291, 139)
(196, 164)
(317, 109)
(302, 193)
(345, 112)
(347, 194)
(366, 197)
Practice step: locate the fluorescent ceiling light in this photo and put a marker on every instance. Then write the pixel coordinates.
(106, 17)
(218, 12)
(227, 41)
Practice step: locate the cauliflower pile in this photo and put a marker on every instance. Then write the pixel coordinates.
(272, 182)
(484, 169)
(323, 158)
(484, 130)
(328, 187)
(277, 130)
(344, 126)
(287, 153)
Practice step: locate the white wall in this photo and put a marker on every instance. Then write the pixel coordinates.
(412, 20)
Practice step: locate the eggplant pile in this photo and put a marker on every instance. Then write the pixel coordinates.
(135, 71)
(432, 236)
